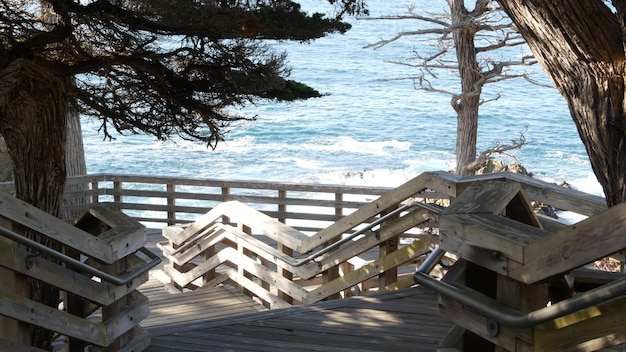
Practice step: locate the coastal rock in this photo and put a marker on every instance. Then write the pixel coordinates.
(499, 166)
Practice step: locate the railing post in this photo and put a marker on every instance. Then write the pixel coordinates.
(282, 206)
(206, 255)
(225, 194)
(117, 186)
(282, 211)
(339, 207)
(240, 269)
(75, 305)
(95, 198)
(333, 273)
(12, 282)
(171, 204)
(387, 247)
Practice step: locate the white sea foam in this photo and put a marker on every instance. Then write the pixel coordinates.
(352, 145)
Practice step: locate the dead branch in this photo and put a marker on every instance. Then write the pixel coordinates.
(499, 148)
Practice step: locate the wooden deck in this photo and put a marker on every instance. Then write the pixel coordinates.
(397, 321)
(222, 319)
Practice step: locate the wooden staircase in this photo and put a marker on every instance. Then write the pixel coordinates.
(514, 287)
(100, 266)
(281, 266)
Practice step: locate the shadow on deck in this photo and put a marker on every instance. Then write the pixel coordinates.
(396, 321)
(224, 319)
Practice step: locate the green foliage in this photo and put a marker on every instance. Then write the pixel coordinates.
(164, 67)
(293, 90)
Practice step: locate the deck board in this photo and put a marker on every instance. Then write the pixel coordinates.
(383, 322)
(223, 319)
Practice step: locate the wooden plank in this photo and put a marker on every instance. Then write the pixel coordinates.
(461, 232)
(384, 202)
(243, 214)
(391, 229)
(574, 246)
(124, 240)
(178, 235)
(139, 342)
(46, 224)
(125, 235)
(560, 197)
(413, 250)
(358, 323)
(484, 197)
(218, 183)
(63, 277)
(35, 313)
(127, 318)
(6, 345)
(270, 227)
(242, 261)
(274, 301)
(588, 330)
(511, 339)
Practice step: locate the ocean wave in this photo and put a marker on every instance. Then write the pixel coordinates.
(352, 145)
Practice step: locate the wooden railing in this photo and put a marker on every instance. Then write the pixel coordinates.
(363, 251)
(281, 243)
(523, 286)
(97, 266)
(160, 201)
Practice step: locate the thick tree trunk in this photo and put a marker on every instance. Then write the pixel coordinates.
(33, 109)
(580, 44)
(75, 161)
(466, 105)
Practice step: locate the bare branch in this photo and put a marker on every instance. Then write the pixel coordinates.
(499, 148)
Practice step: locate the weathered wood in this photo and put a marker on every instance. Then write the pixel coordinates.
(124, 234)
(368, 211)
(574, 246)
(127, 318)
(245, 263)
(512, 339)
(139, 342)
(370, 239)
(40, 221)
(460, 232)
(591, 329)
(22, 309)
(65, 278)
(12, 346)
(403, 255)
(484, 197)
(397, 321)
(237, 211)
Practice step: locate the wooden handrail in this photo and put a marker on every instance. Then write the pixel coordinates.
(235, 230)
(174, 200)
(374, 224)
(99, 268)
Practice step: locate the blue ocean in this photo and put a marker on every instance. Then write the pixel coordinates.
(372, 127)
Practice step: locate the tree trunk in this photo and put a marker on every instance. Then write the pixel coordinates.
(75, 161)
(580, 44)
(33, 109)
(466, 105)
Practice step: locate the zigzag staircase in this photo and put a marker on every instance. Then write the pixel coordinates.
(282, 266)
(512, 265)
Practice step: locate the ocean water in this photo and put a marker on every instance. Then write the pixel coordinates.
(369, 128)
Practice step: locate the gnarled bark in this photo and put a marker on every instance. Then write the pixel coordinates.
(33, 108)
(580, 44)
(467, 104)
